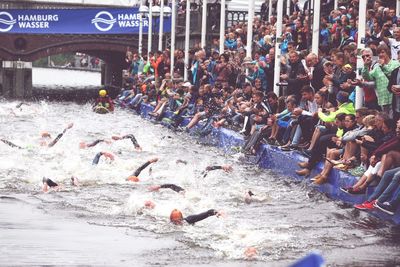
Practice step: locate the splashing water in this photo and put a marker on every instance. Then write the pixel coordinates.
(283, 223)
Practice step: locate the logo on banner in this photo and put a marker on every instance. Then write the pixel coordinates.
(104, 21)
(7, 23)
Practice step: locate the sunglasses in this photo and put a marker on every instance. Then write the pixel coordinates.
(365, 56)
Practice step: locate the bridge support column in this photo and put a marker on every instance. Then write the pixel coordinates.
(16, 79)
(112, 74)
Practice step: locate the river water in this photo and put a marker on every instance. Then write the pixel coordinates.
(65, 78)
(103, 221)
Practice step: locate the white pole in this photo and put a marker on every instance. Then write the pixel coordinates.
(362, 16)
(140, 34)
(222, 28)
(270, 10)
(161, 27)
(187, 40)
(335, 4)
(150, 29)
(287, 7)
(173, 18)
(315, 28)
(204, 24)
(277, 71)
(398, 8)
(250, 19)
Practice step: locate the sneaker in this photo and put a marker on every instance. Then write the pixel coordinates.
(294, 147)
(356, 191)
(367, 205)
(286, 148)
(346, 189)
(315, 178)
(385, 207)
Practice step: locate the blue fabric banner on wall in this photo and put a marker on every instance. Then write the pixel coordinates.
(76, 21)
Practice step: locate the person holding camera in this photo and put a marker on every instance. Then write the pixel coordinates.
(393, 43)
(296, 76)
(380, 73)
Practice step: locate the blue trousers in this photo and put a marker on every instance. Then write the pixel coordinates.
(387, 186)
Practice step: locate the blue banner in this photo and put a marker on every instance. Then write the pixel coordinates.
(76, 21)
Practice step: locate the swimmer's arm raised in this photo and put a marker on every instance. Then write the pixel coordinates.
(192, 219)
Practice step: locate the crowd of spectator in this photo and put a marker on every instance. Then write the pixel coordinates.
(315, 112)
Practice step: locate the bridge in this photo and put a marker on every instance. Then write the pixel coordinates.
(18, 50)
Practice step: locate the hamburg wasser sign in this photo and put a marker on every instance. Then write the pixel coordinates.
(74, 21)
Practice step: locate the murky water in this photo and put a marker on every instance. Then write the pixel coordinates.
(288, 220)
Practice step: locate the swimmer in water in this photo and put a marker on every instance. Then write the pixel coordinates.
(176, 216)
(131, 137)
(10, 143)
(173, 187)
(44, 135)
(83, 145)
(248, 197)
(134, 177)
(105, 154)
(250, 253)
(20, 105)
(226, 168)
(48, 183)
(52, 143)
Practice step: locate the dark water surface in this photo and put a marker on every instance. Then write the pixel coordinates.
(103, 222)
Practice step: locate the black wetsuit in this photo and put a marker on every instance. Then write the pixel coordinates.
(49, 182)
(97, 158)
(192, 219)
(173, 187)
(211, 168)
(141, 168)
(52, 143)
(20, 105)
(133, 139)
(10, 143)
(95, 142)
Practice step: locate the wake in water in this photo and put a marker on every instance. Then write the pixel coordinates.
(278, 222)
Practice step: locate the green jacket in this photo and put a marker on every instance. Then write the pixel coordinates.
(381, 74)
(346, 108)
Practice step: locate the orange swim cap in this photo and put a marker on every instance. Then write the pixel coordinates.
(176, 216)
(45, 135)
(82, 145)
(133, 178)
